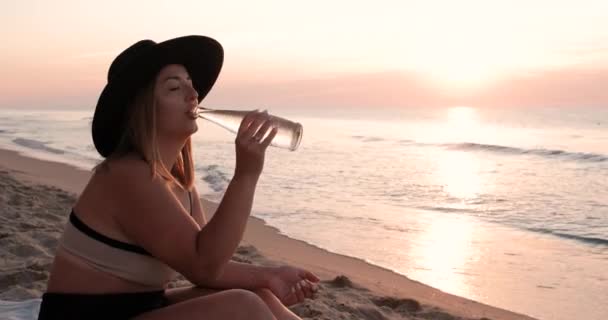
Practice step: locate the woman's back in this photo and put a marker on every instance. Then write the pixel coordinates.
(98, 209)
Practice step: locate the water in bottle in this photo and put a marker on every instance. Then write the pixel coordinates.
(289, 133)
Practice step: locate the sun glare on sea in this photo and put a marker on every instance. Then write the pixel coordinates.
(443, 254)
(458, 171)
(461, 124)
(458, 174)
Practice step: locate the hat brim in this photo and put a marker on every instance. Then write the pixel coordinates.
(201, 56)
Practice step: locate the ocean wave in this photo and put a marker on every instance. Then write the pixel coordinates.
(368, 139)
(472, 146)
(37, 145)
(549, 153)
(215, 178)
(406, 141)
(447, 209)
(588, 240)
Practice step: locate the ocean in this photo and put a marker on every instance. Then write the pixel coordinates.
(507, 206)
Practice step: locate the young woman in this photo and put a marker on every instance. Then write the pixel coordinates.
(139, 220)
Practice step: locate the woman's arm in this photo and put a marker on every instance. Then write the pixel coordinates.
(220, 237)
(242, 276)
(153, 217)
(236, 274)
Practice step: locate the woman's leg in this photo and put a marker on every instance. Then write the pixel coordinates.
(229, 304)
(179, 294)
(280, 311)
(277, 308)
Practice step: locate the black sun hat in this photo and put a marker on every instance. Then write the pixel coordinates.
(138, 65)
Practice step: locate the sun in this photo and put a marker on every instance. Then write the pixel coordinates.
(457, 54)
(458, 69)
(459, 76)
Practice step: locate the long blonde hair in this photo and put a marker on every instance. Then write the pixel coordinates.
(139, 136)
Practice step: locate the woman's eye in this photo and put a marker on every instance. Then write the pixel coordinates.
(174, 89)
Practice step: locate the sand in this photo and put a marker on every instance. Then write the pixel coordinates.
(36, 197)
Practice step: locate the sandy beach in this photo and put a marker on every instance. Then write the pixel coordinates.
(36, 196)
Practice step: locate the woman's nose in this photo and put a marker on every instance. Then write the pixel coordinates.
(193, 94)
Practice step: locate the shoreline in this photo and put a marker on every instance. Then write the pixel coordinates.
(277, 247)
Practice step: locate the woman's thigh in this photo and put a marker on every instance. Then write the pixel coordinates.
(228, 304)
(180, 294)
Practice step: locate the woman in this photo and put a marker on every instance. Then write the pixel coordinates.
(139, 220)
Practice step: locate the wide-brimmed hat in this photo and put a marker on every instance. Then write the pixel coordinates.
(137, 66)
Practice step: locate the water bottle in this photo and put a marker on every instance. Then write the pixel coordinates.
(289, 133)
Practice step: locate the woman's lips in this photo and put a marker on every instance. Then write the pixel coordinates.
(193, 113)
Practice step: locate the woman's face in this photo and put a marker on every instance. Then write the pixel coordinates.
(175, 100)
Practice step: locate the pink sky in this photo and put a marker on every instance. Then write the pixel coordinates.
(314, 53)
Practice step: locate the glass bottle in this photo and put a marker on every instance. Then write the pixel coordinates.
(289, 134)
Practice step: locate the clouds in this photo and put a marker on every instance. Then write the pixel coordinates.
(561, 87)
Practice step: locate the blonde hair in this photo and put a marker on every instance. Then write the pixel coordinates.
(139, 137)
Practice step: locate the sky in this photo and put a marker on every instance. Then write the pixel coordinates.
(299, 54)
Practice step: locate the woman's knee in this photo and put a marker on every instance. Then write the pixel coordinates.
(265, 294)
(252, 305)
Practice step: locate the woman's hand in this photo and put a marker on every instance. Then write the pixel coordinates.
(292, 285)
(250, 148)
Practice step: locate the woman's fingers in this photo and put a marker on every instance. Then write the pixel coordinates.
(299, 292)
(246, 122)
(271, 136)
(308, 291)
(259, 127)
(303, 289)
(312, 277)
(262, 131)
(255, 125)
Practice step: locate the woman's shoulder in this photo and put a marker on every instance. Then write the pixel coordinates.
(124, 168)
(122, 182)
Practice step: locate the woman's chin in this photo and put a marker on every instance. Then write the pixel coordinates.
(193, 128)
(185, 132)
